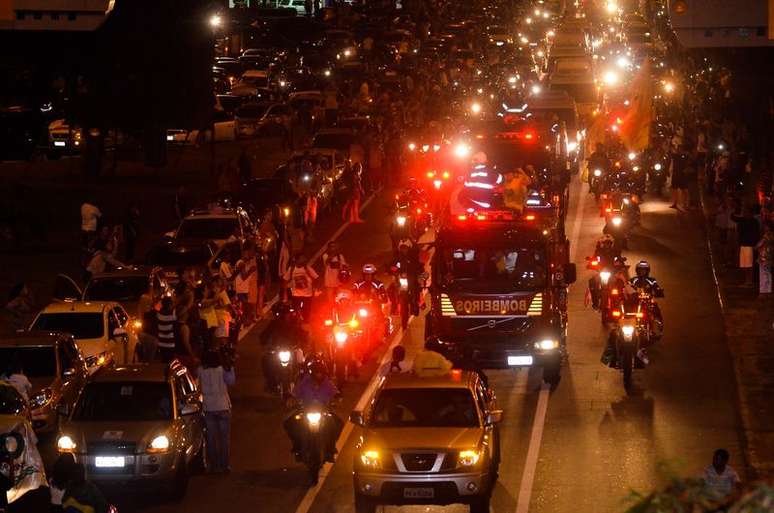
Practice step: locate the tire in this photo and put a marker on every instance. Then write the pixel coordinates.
(179, 484)
(481, 503)
(552, 374)
(627, 363)
(364, 504)
(313, 460)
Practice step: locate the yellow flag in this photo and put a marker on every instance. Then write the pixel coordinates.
(635, 130)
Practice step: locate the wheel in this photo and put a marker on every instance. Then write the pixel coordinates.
(313, 460)
(481, 504)
(179, 484)
(552, 374)
(627, 363)
(364, 504)
(199, 463)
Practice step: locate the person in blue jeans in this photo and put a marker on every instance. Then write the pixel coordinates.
(214, 380)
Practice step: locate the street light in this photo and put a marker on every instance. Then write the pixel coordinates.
(669, 87)
(535, 89)
(610, 78)
(611, 7)
(475, 108)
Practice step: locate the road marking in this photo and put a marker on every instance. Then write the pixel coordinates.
(311, 494)
(538, 424)
(243, 333)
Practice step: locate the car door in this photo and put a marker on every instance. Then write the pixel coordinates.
(72, 372)
(124, 323)
(192, 424)
(65, 289)
(116, 338)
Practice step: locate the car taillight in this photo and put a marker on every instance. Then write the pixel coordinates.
(614, 292)
(616, 313)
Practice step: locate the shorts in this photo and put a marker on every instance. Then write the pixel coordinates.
(745, 257)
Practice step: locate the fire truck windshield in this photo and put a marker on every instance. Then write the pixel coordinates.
(493, 269)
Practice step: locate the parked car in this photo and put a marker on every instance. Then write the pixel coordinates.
(55, 367)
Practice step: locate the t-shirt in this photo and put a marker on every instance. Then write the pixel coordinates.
(301, 281)
(721, 485)
(333, 264)
(89, 216)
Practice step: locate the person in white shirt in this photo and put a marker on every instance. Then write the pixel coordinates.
(14, 375)
(214, 380)
(720, 480)
(301, 278)
(90, 215)
(334, 262)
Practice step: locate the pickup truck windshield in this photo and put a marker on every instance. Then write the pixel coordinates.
(425, 407)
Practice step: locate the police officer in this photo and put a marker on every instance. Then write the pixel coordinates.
(369, 286)
(408, 262)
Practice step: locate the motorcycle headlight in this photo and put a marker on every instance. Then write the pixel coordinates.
(617, 221)
(313, 418)
(363, 312)
(628, 331)
(597, 172)
(657, 167)
(626, 201)
(65, 444)
(546, 344)
(159, 444)
(340, 336)
(401, 220)
(604, 276)
(632, 156)
(284, 357)
(42, 398)
(469, 458)
(437, 184)
(371, 459)
(403, 283)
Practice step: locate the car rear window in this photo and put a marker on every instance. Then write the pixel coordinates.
(36, 362)
(79, 324)
(124, 401)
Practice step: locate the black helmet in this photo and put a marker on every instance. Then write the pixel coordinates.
(316, 365)
(282, 310)
(642, 269)
(344, 276)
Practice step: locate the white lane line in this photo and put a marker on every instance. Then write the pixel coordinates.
(530, 465)
(243, 333)
(311, 494)
(538, 424)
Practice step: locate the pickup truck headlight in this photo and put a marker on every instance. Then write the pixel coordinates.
(371, 459)
(546, 344)
(468, 458)
(65, 444)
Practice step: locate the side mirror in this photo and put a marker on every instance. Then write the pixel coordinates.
(356, 417)
(570, 273)
(191, 408)
(494, 417)
(119, 332)
(63, 409)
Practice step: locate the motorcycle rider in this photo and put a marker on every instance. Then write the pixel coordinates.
(643, 281)
(314, 389)
(283, 331)
(598, 160)
(605, 253)
(408, 263)
(370, 286)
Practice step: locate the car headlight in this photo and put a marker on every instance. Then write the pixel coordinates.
(597, 172)
(65, 444)
(371, 459)
(657, 167)
(137, 324)
(284, 357)
(313, 418)
(546, 344)
(469, 458)
(41, 398)
(159, 444)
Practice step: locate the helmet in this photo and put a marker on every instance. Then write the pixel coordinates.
(606, 240)
(344, 276)
(642, 269)
(369, 269)
(282, 310)
(317, 366)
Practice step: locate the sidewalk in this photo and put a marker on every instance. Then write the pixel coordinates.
(749, 326)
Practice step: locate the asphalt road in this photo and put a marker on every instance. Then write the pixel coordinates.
(595, 442)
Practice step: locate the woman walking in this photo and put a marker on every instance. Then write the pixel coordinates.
(214, 380)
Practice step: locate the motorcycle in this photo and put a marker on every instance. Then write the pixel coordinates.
(616, 226)
(624, 349)
(315, 420)
(284, 363)
(596, 181)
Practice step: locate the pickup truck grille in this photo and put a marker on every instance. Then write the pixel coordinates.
(419, 462)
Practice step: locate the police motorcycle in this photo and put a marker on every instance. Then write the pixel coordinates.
(283, 360)
(405, 290)
(626, 342)
(647, 290)
(411, 215)
(345, 334)
(617, 227)
(606, 289)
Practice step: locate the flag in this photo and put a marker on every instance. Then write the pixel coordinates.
(635, 130)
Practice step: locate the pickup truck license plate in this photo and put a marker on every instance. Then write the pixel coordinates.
(519, 360)
(418, 493)
(109, 461)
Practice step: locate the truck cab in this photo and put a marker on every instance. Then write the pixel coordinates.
(499, 293)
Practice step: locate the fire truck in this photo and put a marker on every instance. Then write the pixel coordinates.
(499, 290)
